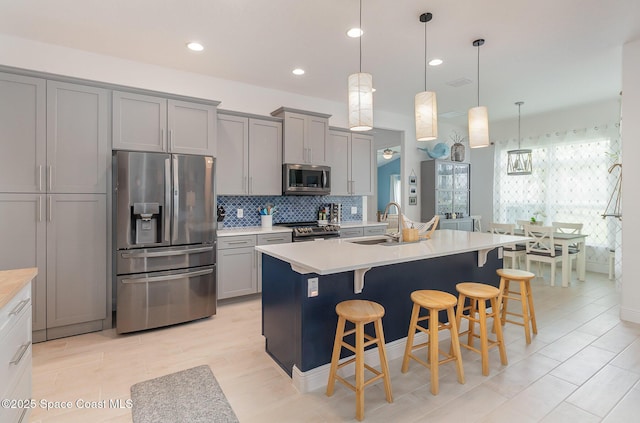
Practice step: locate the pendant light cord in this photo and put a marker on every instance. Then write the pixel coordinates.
(362, 33)
(519, 137)
(425, 56)
(478, 75)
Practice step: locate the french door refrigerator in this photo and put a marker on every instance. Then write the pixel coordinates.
(165, 239)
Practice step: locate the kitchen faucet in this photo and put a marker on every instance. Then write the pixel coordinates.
(400, 220)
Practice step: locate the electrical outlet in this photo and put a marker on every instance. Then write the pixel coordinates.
(240, 213)
(354, 210)
(312, 287)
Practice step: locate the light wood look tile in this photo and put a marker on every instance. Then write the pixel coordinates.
(582, 366)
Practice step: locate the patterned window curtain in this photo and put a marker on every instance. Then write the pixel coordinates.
(570, 182)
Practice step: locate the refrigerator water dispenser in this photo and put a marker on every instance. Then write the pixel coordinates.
(146, 216)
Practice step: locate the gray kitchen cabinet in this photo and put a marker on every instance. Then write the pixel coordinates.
(445, 187)
(77, 145)
(464, 224)
(149, 123)
(23, 244)
(351, 232)
(56, 147)
(250, 155)
(236, 266)
(269, 239)
(306, 135)
(23, 147)
(375, 230)
(350, 156)
(76, 263)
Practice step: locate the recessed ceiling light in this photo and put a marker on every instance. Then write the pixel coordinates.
(355, 32)
(193, 46)
(298, 71)
(435, 62)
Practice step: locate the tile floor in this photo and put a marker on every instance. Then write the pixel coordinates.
(583, 366)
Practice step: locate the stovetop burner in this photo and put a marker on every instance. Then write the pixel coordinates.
(312, 229)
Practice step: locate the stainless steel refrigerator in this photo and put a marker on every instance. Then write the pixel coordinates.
(165, 239)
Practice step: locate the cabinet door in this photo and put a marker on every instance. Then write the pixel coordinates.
(338, 157)
(76, 258)
(295, 131)
(192, 128)
(316, 141)
(265, 157)
(361, 164)
(444, 176)
(139, 122)
(22, 133)
(236, 272)
(23, 244)
(232, 162)
(77, 147)
(461, 177)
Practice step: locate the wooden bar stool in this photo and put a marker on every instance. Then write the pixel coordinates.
(360, 313)
(478, 294)
(433, 301)
(528, 315)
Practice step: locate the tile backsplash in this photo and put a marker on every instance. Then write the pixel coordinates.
(292, 208)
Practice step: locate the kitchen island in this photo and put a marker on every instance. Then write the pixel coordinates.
(298, 313)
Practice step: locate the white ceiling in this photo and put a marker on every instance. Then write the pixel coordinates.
(548, 53)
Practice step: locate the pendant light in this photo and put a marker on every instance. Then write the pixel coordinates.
(426, 106)
(519, 161)
(478, 116)
(360, 96)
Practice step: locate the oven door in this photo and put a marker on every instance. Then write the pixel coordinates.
(315, 237)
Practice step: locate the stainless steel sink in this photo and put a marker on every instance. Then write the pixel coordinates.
(377, 241)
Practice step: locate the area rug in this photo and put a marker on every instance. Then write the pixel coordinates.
(191, 395)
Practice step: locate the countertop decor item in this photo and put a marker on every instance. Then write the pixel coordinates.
(478, 116)
(519, 161)
(426, 106)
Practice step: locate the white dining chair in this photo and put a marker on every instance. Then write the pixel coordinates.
(541, 248)
(569, 228)
(520, 223)
(513, 251)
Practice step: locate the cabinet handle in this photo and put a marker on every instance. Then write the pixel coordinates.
(171, 139)
(18, 308)
(39, 206)
(250, 184)
(237, 242)
(162, 137)
(245, 188)
(353, 187)
(310, 155)
(275, 239)
(40, 178)
(19, 354)
(49, 209)
(50, 178)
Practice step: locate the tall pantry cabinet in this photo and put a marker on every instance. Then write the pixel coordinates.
(53, 168)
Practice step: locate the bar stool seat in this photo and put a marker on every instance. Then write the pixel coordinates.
(528, 315)
(478, 294)
(360, 313)
(433, 301)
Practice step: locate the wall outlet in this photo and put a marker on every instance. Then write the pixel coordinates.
(354, 210)
(312, 287)
(240, 213)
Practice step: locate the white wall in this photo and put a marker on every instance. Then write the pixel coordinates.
(630, 299)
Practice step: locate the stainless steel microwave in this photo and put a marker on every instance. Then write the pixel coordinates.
(303, 179)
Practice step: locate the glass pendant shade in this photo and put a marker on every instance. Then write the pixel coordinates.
(426, 108)
(478, 127)
(519, 162)
(360, 101)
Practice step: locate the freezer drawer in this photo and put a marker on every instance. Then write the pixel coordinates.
(146, 260)
(159, 299)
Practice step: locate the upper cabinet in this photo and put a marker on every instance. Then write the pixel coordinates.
(305, 136)
(54, 136)
(250, 155)
(445, 188)
(23, 121)
(350, 156)
(149, 123)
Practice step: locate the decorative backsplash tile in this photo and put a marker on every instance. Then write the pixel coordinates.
(293, 208)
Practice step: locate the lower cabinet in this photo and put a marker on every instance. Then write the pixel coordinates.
(238, 263)
(15, 356)
(351, 232)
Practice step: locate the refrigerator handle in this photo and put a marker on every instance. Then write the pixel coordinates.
(176, 200)
(167, 201)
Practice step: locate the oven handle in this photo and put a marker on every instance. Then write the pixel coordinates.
(324, 179)
(147, 254)
(146, 279)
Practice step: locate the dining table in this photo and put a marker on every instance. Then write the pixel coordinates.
(564, 240)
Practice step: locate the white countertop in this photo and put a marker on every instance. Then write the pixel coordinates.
(341, 255)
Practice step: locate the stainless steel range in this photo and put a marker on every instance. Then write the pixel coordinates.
(311, 231)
